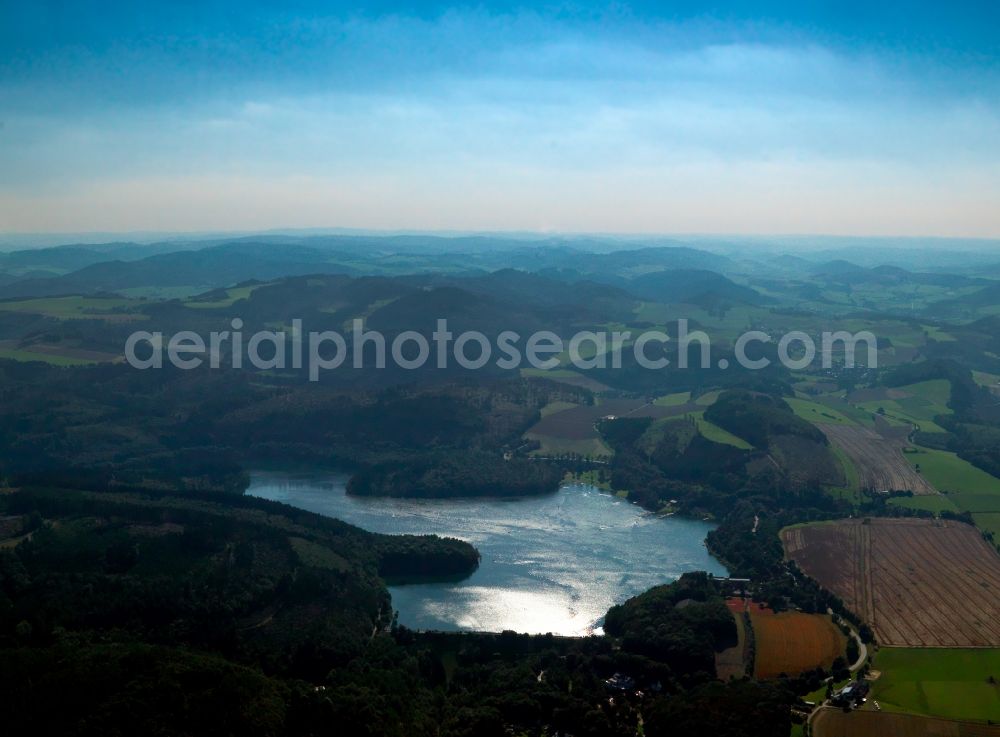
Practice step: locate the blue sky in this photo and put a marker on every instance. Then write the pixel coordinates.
(764, 117)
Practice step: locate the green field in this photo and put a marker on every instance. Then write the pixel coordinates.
(816, 412)
(717, 434)
(936, 333)
(850, 470)
(900, 420)
(728, 324)
(232, 296)
(552, 407)
(708, 398)
(977, 502)
(550, 373)
(929, 399)
(71, 308)
(897, 414)
(161, 293)
(857, 415)
(949, 683)
(655, 312)
(988, 521)
(936, 392)
(17, 354)
(672, 400)
(851, 492)
(949, 473)
(984, 379)
(936, 503)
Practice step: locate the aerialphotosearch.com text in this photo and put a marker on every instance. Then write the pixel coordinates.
(360, 348)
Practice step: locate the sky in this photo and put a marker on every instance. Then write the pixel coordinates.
(687, 117)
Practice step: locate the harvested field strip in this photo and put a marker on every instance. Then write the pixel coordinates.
(731, 662)
(837, 723)
(880, 463)
(920, 583)
(934, 616)
(980, 609)
(937, 615)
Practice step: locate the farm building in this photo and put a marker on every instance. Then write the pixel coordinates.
(852, 694)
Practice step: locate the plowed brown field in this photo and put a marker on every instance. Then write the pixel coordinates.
(837, 723)
(793, 642)
(918, 583)
(879, 460)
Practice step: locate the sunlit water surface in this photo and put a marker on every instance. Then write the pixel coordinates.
(554, 563)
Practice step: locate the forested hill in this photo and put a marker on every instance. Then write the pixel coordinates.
(672, 464)
(237, 576)
(115, 426)
(143, 613)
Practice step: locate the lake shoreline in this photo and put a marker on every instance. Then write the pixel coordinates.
(550, 563)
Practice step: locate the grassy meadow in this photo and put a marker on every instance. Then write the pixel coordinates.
(949, 683)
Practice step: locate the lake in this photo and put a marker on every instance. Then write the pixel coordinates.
(554, 563)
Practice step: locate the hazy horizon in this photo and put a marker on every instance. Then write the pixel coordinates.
(790, 242)
(780, 241)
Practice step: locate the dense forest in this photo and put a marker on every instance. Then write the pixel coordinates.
(208, 614)
(111, 425)
(458, 474)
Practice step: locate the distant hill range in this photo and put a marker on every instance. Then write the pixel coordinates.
(584, 275)
(108, 268)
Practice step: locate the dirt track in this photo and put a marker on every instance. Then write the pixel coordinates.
(918, 583)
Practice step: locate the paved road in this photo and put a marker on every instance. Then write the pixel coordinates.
(862, 651)
(862, 657)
